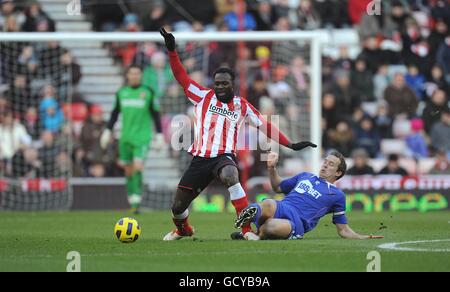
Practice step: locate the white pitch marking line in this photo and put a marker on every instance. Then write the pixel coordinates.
(395, 246)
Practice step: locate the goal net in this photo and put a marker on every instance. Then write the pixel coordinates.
(35, 138)
(278, 72)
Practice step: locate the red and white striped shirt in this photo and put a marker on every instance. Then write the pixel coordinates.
(217, 124)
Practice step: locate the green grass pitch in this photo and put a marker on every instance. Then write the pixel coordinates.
(40, 242)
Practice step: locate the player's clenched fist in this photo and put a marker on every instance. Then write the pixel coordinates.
(272, 159)
(168, 38)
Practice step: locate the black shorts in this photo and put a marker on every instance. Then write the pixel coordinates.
(202, 171)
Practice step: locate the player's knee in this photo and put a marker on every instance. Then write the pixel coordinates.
(268, 208)
(138, 166)
(128, 170)
(229, 175)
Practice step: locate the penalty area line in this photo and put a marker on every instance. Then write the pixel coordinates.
(397, 246)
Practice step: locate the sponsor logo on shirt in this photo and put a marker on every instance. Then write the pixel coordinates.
(136, 103)
(306, 187)
(233, 116)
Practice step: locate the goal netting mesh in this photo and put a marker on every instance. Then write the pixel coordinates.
(35, 138)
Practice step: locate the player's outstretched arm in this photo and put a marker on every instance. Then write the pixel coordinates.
(177, 68)
(275, 179)
(345, 231)
(273, 132)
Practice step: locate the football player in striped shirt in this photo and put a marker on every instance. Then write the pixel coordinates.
(308, 198)
(218, 115)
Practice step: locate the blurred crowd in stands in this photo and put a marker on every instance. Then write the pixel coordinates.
(390, 100)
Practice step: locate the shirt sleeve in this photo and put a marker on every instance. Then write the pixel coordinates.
(194, 92)
(339, 211)
(289, 184)
(257, 120)
(114, 114)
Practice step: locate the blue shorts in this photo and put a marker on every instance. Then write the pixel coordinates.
(288, 212)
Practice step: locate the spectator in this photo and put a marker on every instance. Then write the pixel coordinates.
(362, 81)
(49, 58)
(48, 154)
(367, 137)
(443, 58)
(442, 164)
(70, 71)
(158, 75)
(37, 20)
(416, 81)
(383, 121)
(13, 137)
(437, 81)
(344, 62)
(372, 53)
(356, 9)
(8, 10)
(381, 81)
(144, 54)
(432, 112)
(298, 75)
(26, 164)
(264, 16)
(440, 132)
(90, 139)
(416, 141)
(381, 25)
(307, 17)
(393, 166)
(51, 115)
(341, 138)
(28, 60)
(333, 13)
(360, 163)
(400, 98)
(419, 53)
(31, 122)
(329, 112)
(232, 18)
(437, 36)
(257, 90)
(155, 18)
(19, 95)
(346, 100)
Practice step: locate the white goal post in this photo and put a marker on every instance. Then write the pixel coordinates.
(314, 38)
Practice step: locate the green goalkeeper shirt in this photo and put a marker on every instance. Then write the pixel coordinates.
(138, 107)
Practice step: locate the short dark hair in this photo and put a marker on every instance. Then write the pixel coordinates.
(133, 66)
(225, 70)
(342, 167)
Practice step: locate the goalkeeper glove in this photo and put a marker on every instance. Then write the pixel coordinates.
(105, 138)
(158, 142)
(168, 38)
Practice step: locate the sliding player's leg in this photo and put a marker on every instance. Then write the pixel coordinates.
(276, 229)
(285, 223)
(257, 213)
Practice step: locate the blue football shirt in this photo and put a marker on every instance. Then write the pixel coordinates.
(312, 198)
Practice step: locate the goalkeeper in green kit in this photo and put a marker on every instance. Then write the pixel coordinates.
(138, 107)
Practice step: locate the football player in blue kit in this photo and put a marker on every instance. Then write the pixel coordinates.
(308, 198)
